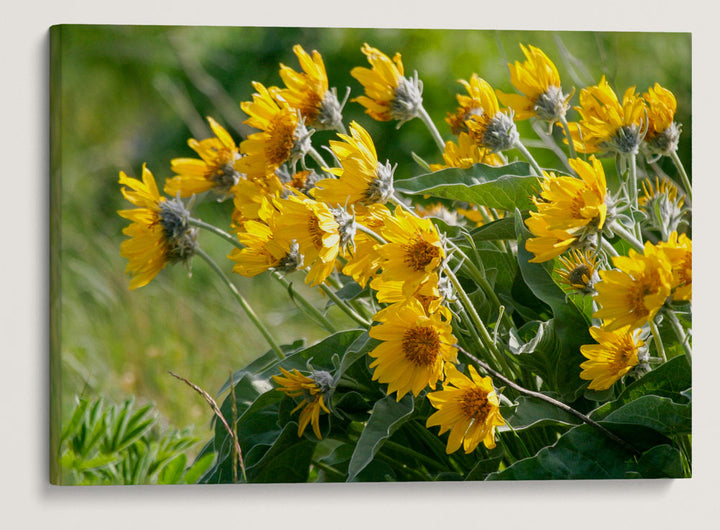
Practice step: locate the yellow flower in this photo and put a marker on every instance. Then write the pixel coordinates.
(413, 351)
(312, 389)
(465, 154)
(678, 249)
(392, 292)
(579, 271)
(317, 231)
(612, 358)
(570, 210)
(363, 260)
(283, 137)
(263, 250)
(635, 292)
(663, 134)
(480, 214)
(538, 81)
(413, 250)
(159, 232)
(252, 199)
(606, 124)
(362, 179)
(663, 204)
(214, 170)
(388, 94)
(480, 116)
(468, 407)
(308, 91)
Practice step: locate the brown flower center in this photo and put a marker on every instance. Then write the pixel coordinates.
(316, 233)
(281, 139)
(419, 254)
(421, 345)
(622, 354)
(474, 404)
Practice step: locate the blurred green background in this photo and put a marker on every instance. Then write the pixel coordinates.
(125, 95)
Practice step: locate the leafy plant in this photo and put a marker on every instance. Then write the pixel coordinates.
(105, 444)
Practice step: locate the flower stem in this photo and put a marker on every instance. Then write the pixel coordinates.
(683, 174)
(657, 339)
(555, 402)
(566, 128)
(427, 120)
(349, 311)
(632, 182)
(215, 230)
(479, 325)
(243, 303)
(627, 236)
(483, 283)
(309, 309)
(520, 147)
(317, 157)
(680, 334)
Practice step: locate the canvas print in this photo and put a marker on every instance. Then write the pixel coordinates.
(288, 255)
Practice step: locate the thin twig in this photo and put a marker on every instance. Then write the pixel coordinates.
(548, 399)
(213, 405)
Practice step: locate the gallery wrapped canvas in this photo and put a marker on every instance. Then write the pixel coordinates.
(341, 254)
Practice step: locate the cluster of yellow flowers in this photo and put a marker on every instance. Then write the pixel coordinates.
(335, 217)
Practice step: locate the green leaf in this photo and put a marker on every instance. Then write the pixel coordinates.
(662, 461)
(658, 413)
(570, 325)
(505, 187)
(671, 379)
(172, 472)
(497, 230)
(386, 417)
(531, 412)
(581, 453)
(287, 460)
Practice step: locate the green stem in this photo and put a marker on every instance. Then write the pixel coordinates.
(301, 299)
(683, 174)
(657, 339)
(607, 246)
(427, 120)
(409, 453)
(309, 309)
(329, 469)
(317, 157)
(483, 283)
(243, 303)
(217, 231)
(627, 236)
(520, 147)
(680, 334)
(475, 318)
(632, 182)
(349, 311)
(555, 402)
(566, 128)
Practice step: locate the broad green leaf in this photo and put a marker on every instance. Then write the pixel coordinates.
(198, 468)
(386, 417)
(569, 324)
(582, 453)
(505, 187)
(172, 472)
(501, 229)
(662, 461)
(532, 411)
(670, 379)
(287, 460)
(658, 413)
